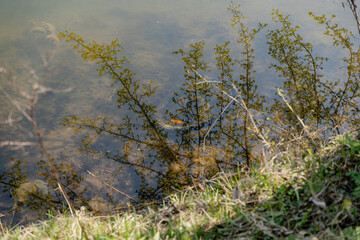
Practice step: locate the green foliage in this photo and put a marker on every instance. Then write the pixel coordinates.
(301, 72)
(134, 97)
(353, 146)
(193, 109)
(355, 176)
(245, 85)
(15, 177)
(343, 107)
(352, 232)
(193, 99)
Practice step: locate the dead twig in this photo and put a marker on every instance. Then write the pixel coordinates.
(47, 154)
(90, 173)
(242, 104)
(353, 8)
(282, 95)
(30, 117)
(1, 225)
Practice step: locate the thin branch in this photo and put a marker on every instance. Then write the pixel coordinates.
(281, 94)
(31, 119)
(11, 120)
(110, 185)
(1, 225)
(16, 104)
(118, 159)
(243, 104)
(211, 127)
(353, 8)
(66, 198)
(47, 154)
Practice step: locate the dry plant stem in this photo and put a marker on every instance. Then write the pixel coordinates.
(16, 104)
(30, 117)
(10, 120)
(280, 93)
(47, 155)
(208, 131)
(2, 227)
(81, 227)
(242, 103)
(353, 8)
(18, 224)
(66, 199)
(110, 185)
(256, 129)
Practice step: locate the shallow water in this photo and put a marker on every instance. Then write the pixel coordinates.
(149, 31)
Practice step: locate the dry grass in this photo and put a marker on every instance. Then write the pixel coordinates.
(291, 195)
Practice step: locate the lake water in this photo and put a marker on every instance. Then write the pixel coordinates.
(149, 30)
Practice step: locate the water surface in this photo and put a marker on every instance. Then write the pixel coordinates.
(149, 31)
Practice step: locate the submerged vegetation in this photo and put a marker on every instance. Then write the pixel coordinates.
(240, 167)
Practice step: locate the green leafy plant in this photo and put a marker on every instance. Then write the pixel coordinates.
(301, 71)
(355, 176)
(353, 146)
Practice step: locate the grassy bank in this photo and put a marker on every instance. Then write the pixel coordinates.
(293, 194)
